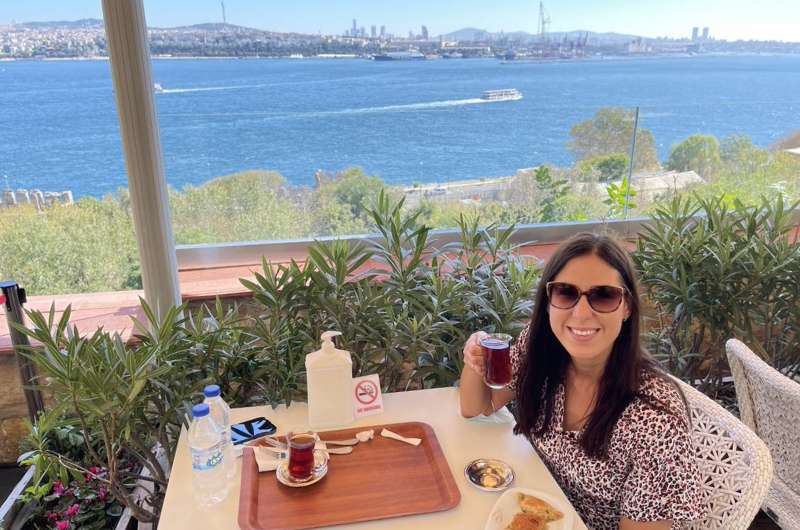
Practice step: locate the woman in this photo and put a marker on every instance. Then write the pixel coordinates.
(608, 423)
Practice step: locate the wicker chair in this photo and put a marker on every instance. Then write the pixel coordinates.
(735, 465)
(770, 405)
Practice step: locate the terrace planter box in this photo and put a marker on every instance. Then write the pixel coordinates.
(11, 510)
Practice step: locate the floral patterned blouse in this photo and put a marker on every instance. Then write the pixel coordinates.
(650, 473)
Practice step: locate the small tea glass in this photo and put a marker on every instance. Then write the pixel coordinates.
(302, 459)
(497, 347)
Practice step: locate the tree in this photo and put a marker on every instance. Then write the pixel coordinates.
(738, 151)
(553, 192)
(699, 153)
(356, 189)
(341, 202)
(609, 132)
(605, 167)
(250, 205)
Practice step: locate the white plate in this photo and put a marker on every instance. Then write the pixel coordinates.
(507, 505)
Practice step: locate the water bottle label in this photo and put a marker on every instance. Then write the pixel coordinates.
(208, 459)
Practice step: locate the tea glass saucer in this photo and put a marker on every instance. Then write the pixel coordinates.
(319, 471)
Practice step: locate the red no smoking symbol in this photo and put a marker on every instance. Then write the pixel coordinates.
(366, 392)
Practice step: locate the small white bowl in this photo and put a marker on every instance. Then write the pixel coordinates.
(507, 505)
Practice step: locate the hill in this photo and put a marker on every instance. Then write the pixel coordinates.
(84, 23)
(595, 38)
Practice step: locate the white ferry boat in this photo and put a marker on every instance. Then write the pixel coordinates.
(157, 88)
(411, 55)
(505, 94)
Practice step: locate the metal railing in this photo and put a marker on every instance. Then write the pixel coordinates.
(251, 252)
(12, 298)
(241, 253)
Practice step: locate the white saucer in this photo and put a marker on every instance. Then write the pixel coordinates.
(320, 470)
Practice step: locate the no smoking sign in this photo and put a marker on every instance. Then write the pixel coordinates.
(367, 398)
(366, 392)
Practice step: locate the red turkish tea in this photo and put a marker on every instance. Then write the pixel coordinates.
(301, 456)
(498, 361)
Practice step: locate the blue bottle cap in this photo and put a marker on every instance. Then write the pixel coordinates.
(200, 410)
(211, 391)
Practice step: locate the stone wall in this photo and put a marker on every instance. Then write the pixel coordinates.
(40, 199)
(13, 410)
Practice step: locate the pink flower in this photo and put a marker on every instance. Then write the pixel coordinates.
(102, 493)
(95, 470)
(58, 488)
(62, 525)
(52, 516)
(72, 511)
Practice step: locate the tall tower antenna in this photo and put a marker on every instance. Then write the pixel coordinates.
(224, 20)
(544, 21)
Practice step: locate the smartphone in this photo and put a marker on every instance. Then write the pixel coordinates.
(251, 429)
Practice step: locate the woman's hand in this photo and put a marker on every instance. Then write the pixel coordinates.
(475, 397)
(474, 356)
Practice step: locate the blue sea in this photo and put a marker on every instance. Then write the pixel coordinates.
(416, 121)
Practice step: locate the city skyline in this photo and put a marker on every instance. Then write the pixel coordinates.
(731, 19)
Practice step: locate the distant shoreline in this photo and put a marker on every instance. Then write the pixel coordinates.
(543, 60)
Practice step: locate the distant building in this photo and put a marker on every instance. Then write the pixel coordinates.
(466, 191)
(373, 31)
(9, 198)
(354, 31)
(649, 186)
(383, 31)
(424, 33)
(22, 197)
(794, 151)
(639, 46)
(695, 33)
(705, 33)
(410, 35)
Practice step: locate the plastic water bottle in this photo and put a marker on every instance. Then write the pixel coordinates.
(220, 412)
(209, 479)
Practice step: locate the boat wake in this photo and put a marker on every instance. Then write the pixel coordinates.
(400, 108)
(206, 89)
(342, 112)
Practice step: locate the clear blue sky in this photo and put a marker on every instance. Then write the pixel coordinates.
(728, 19)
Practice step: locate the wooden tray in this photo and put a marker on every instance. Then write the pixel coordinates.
(381, 478)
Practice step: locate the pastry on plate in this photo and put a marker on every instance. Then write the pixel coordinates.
(525, 521)
(538, 508)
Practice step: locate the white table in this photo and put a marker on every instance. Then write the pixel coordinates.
(461, 440)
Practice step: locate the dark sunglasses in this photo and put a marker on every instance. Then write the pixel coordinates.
(601, 298)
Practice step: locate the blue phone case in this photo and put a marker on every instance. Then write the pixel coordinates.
(251, 429)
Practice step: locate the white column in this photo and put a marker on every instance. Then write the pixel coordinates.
(126, 33)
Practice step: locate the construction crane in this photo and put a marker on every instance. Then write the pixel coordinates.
(544, 22)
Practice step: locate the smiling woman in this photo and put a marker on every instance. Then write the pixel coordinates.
(609, 424)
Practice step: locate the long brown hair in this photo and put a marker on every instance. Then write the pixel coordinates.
(544, 368)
